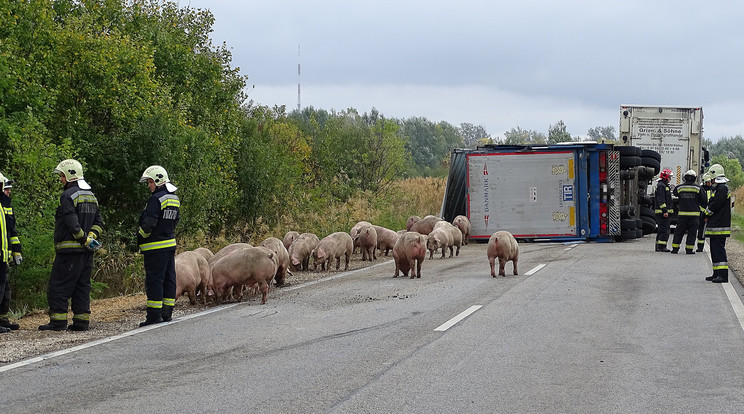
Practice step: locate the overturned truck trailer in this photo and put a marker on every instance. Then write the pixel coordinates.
(555, 192)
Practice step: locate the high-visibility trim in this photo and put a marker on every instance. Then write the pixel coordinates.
(720, 266)
(662, 205)
(79, 234)
(143, 234)
(686, 189)
(717, 231)
(83, 196)
(662, 242)
(15, 240)
(4, 242)
(169, 200)
(675, 246)
(163, 244)
(169, 301)
(8, 210)
(689, 213)
(58, 316)
(96, 228)
(69, 244)
(155, 304)
(82, 316)
(689, 246)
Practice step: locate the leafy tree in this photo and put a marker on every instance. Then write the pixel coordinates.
(472, 134)
(557, 133)
(519, 136)
(732, 168)
(602, 134)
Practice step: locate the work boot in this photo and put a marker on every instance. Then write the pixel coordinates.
(720, 279)
(659, 248)
(154, 315)
(167, 313)
(699, 249)
(689, 251)
(5, 323)
(675, 250)
(79, 326)
(711, 277)
(54, 326)
(4, 329)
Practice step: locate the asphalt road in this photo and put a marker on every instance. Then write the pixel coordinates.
(594, 327)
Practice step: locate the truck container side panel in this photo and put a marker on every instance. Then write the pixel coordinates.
(531, 194)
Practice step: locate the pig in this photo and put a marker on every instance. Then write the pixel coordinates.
(227, 250)
(254, 267)
(504, 246)
(463, 223)
(440, 237)
(300, 251)
(455, 234)
(409, 252)
(425, 225)
(386, 239)
(206, 253)
(355, 230)
(289, 237)
(410, 222)
(367, 241)
(333, 246)
(282, 258)
(190, 277)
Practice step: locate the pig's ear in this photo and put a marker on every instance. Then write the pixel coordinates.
(436, 239)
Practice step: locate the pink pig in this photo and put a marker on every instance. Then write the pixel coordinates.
(409, 252)
(504, 246)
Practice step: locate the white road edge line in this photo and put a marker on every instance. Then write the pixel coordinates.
(733, 297)
(464, 314)
(535, 269)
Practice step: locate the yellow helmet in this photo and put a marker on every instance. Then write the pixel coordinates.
(158, 175)
(72, 170)
(716, 170)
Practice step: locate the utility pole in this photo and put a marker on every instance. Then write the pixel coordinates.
(298, 78)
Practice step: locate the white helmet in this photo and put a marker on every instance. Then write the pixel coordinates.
(7, 183)
(157, 174)
(716, 170)
(72, 170)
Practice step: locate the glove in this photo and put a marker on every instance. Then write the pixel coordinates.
(17, 258)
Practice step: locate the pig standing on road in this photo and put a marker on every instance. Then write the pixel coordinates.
(289, 237)
(192, 275)
(254, 267)
(282, 259)
(504, 246)
(226, 251)
(301, 249)
(439, 238)
(386, 239)
(463, 223)
(411, 221)
(366, 239)
(333, 246)
(425, 225)
(409, 252)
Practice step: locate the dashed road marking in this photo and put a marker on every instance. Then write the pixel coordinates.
(464, 314)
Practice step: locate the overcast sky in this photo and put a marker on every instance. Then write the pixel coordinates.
(499, 64)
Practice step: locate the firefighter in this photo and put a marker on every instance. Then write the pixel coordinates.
(156, 239)
(11, 253)
(718, 227)
(77, 227)
(705, 186)
(691, 198)
(664, 207)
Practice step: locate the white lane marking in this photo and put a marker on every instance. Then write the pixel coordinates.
(570, 247)
(735, 302)
(464, 314)
(535, 269)
(110, 339)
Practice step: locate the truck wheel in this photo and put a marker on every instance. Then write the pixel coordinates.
(629, 150)
(649, 224)
(627, 224)
(652, 163)
(639, 233)
(648, 212)
(629, 234)
(646, 153)
(629, 161)
(646, 172)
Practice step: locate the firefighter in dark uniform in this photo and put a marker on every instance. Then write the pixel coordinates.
(11, 253)
(664, 207)
(690, 199)
(705, 186)
(77, 227)
(156, 238)
(718, 226)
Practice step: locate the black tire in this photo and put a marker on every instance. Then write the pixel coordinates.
(627, 224)
(646, 173)
(629, 161)
(629, 150)
(651, 163)
(649, 224)
(648, 212)
(629, 234)
(627, 211)
(646, 153)
(639, 233)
